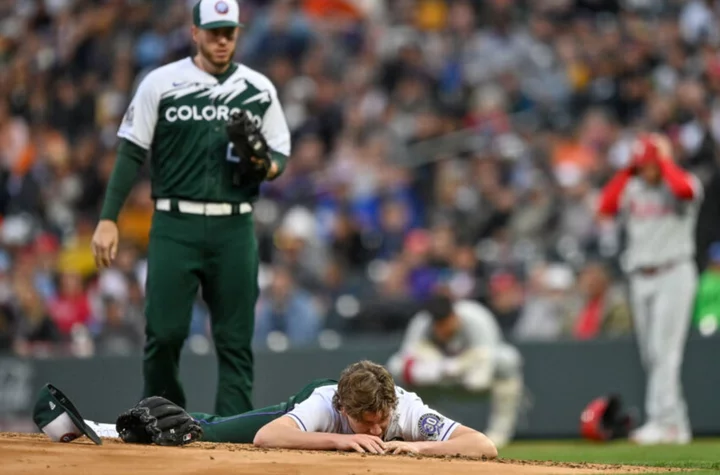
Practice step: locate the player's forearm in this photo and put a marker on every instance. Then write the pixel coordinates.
(473, 444)
(129, 159)
(610, 198)
(279, 162)
(677, 180)
(286, 438)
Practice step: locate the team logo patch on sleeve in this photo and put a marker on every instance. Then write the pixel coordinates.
(130, 115)
(430, 426)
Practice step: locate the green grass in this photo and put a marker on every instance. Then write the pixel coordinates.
(702, 455)
(689, 472)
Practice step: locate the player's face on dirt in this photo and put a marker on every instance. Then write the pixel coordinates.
(217, 45)
(650, 172)
(446, 328)
(372, 423)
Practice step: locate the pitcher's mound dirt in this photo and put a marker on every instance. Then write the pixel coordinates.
(35, 454)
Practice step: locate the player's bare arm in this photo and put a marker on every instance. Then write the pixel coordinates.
(284, 433)
(463, 441)
(274, 169)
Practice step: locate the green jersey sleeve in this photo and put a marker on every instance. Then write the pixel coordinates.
(129, 159)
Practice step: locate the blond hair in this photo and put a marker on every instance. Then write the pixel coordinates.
(365, 387)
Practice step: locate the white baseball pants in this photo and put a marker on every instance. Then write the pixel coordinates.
(662, 311)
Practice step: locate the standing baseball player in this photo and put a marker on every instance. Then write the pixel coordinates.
(363, 412)
(460, 343)
(658, 202)
(214, 131)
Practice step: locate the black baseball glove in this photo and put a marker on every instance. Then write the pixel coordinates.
(248, 142)
(159, 421)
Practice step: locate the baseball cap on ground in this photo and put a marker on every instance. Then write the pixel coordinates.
(58, 418)
(209, 14)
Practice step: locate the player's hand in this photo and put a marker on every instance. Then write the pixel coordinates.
(479, 378)
(105, 243)
(665, 149)
(400, 447)
(360, 443)
(262, 163)
(453, 367)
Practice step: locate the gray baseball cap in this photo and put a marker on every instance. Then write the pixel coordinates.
(209, 14)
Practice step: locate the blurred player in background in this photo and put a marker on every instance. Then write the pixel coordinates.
(450, 343)
(658, 203)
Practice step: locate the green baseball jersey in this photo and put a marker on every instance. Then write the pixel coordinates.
(178, 114)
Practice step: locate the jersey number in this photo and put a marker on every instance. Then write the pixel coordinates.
(231, 156)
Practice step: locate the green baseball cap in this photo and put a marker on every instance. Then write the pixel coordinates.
(209, 14)
(58, 418)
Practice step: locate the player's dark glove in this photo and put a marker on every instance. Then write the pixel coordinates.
(248, 142)
(157, 420)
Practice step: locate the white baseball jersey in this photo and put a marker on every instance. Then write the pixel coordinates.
(660, 227)
(412, 420)
(478, 328)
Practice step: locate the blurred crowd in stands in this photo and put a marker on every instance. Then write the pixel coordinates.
(435, 142)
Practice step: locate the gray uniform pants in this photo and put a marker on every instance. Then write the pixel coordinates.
(662, 310)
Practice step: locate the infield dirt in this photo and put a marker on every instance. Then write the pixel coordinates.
(35, 454)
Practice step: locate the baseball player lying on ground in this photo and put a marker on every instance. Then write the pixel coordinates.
(364, 412)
